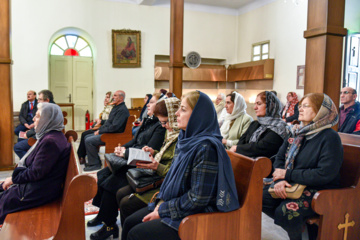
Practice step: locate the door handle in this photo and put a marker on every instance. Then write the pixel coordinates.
(69, 97)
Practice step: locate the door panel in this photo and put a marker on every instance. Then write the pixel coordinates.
(352, 68)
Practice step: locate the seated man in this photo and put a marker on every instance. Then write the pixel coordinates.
(349, 114)
(22, 147)
(27, 112)
(116, 123)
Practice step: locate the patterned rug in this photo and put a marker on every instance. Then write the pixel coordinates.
(89, 208)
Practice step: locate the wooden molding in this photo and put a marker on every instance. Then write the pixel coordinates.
(5, 61)
(255, 70)
(329, 30)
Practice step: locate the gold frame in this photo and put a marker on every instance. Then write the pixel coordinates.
(126, 58)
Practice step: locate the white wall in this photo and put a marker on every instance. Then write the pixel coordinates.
(35, 23)
(283, 24)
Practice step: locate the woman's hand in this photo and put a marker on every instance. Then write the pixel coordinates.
(233, 148)
(119, 151)
(224, 141)
(7, 183)
(152, 216)
(148, 149)
(280, 189)
(279, 174)
(153, 165)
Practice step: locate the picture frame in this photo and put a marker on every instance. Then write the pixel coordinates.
(126, 48)
(300, 79)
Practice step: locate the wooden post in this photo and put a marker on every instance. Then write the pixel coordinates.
(324, 47)
(176, 46)
(6, 120)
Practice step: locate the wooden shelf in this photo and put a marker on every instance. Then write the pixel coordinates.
(256, 70)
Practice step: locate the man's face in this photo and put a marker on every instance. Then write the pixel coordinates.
(31, 96)
(347, 96)
(117, 98)
(41, 98)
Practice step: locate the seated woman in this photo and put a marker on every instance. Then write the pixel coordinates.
(143, 114)
(151, 134)
(201, 170)
(40, 174)
(291, 110)
(311, 156)
(220, 108)
(264, 136)
(165, 111)
(237, 120)
(104, 115)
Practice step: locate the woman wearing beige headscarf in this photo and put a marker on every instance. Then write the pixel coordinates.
(236, 121)
(220, 108)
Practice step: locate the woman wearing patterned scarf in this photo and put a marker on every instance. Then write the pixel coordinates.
(312, 155)
(165, 110)
(264, 136)
(236, 121)
(291, 109)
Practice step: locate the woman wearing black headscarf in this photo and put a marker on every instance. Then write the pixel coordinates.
(40, 174)
(264, 136)
(143, 114)
(200, 178)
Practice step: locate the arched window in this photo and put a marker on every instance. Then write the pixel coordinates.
(71, 45)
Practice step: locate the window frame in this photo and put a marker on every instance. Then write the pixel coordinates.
(260, 44)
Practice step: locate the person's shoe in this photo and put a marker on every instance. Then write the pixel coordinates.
(92, 168)
(82, 160)
(94, 222)
(105, 232)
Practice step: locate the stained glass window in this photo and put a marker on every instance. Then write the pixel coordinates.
(71, 45)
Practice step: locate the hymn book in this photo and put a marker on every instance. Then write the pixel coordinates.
(138, 155)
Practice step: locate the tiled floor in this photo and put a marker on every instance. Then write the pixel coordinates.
(269, 230)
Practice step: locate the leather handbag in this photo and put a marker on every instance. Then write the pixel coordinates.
(140, 180)
(115, 163)
(293, 192)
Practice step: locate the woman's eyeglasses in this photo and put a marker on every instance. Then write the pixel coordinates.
(163, 123)
(304, 106)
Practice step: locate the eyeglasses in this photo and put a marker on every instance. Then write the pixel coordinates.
(304, 106)
(346, 92)
(163, 123)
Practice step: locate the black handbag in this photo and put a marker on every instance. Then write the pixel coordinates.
(115, 163)
(141, 181)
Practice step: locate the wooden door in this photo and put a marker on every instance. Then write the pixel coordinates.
(82, 89)
(352, 68)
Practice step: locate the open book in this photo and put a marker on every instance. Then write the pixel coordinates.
(137, 155)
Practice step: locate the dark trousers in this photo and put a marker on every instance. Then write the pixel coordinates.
(20, 128)
(128, 202)
(21, 148)
(106, 201)
(290, 214)
(82, 150)
(135, 229)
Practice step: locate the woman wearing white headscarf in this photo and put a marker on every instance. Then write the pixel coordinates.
(40, 174)
(220, 108)
(236, 121)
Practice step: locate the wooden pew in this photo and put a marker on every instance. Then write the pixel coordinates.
(58, 220)
(334, 205)
(244, 223)
(112, 140)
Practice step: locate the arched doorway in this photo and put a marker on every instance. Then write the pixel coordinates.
(71, 76)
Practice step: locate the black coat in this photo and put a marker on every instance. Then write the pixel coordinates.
(317, 163)
(295, 116)
(23, 116)
(117, 120)
(351, 119)
(267, 146)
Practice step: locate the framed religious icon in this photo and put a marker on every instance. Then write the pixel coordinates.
(300, 80)
(126, 48)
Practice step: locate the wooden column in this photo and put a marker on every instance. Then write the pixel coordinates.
(324, 45)
(6, 120)
(176, 46)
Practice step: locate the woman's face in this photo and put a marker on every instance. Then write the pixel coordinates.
(145, 99)
(289, 97)
(164, 122)
(229, 105)
(183, 114)
(151, 106)
(107, 99)
(260, 107)
(36, 118)
(218, 99)
(306, 112)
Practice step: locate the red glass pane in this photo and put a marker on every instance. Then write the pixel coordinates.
(71, 52)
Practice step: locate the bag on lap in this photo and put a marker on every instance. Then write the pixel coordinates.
(293, 192)
(115, 163)
(141, 181)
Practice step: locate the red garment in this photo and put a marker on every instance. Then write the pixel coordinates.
(289, 108)
(357, 127)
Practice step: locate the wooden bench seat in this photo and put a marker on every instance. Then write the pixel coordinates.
(244, 223)
(333, 205)
(61, 219)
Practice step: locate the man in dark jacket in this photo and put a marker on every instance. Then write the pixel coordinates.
(27, 112)
(21, 147)
(115, 124)
(349, 114)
